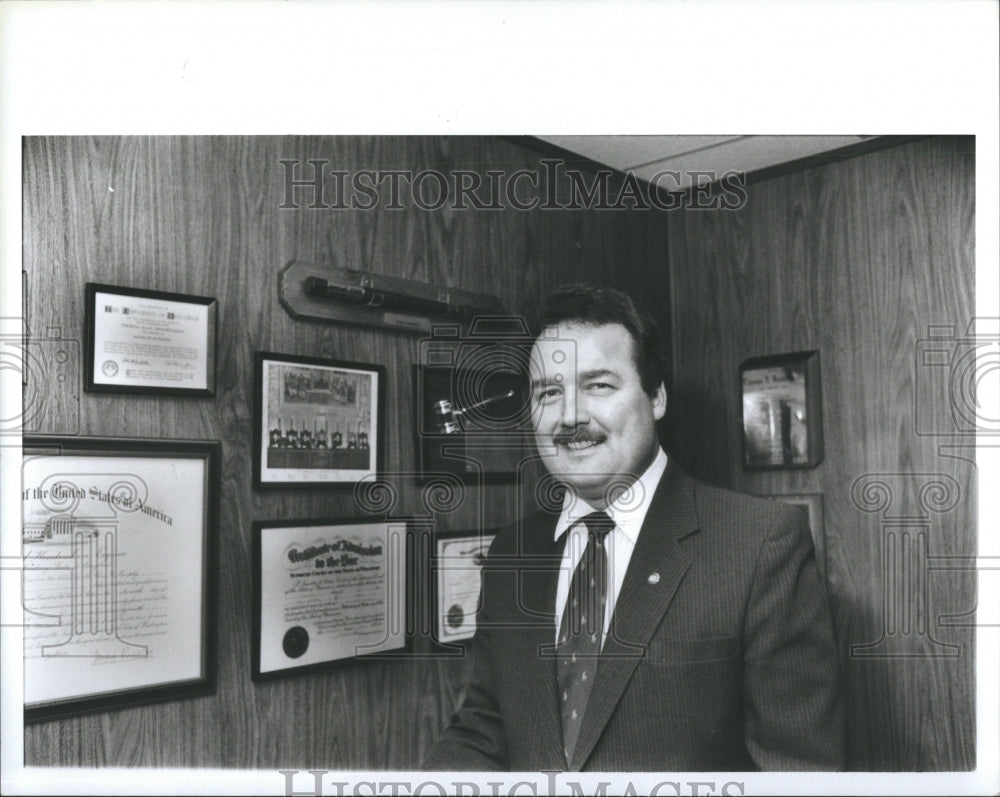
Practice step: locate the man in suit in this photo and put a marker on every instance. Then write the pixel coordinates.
(648, 622)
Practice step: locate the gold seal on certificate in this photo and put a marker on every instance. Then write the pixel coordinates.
(456, 617)
(296, 642)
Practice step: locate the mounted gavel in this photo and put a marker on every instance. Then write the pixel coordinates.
(446, 415)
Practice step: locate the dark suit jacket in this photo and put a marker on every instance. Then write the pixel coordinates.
(720, 656)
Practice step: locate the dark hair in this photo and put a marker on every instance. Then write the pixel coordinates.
(589, 305)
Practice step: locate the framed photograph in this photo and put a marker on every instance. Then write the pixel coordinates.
(140, 341)
(119, 551)
(326, 592)
(812, 505)
(458, 560)
(782, 411)
(316, 422)
(472, 422)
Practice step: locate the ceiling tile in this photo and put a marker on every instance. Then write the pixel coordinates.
(645, 156)
(624, 152)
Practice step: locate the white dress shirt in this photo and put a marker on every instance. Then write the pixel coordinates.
(628, 512)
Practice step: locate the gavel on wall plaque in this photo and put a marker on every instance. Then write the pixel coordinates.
(446, 415)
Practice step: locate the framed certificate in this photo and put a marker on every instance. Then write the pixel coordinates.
(118, 541)
(140, 341)
(317, 422)
(326, 592)
(458, 560)
(782, 411)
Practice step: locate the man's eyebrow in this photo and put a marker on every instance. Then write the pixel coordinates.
(597, 373)
(583, 376)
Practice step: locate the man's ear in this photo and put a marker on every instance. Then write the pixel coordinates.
(659, 402)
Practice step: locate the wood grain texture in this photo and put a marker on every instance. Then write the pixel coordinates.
(855, 259)
(201, 215)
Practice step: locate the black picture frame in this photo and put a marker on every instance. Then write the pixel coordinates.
(157, 310)
(309, 551)
(96, 504)
(781, 417)
(292, 389)
(468, 426)
(455, 567)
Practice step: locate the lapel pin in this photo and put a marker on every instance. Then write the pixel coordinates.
(654, 578)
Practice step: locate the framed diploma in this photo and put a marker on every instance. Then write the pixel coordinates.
(316, 422)
(782, 411)
(141, 341)
(458, 560)
(119, 541)
(327, 592)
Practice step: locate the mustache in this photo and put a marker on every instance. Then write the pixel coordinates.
(578, 436)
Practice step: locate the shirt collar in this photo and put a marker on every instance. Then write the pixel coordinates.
(628, 511)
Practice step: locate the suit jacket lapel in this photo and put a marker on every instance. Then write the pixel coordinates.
(642, 602)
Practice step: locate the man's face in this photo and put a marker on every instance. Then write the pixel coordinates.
(594, 424)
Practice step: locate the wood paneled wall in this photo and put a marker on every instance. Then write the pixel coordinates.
(201, 216)
(857, 259)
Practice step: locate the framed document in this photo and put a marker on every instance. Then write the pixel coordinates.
(327, 592)
(458, 560)
(316, 422)
(141, 341)
(782, 411)
(118, 540)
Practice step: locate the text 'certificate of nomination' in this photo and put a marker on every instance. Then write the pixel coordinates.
(146, 342)
(330, 592)
(113, 551)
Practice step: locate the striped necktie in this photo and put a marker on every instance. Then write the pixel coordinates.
(582, 629)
